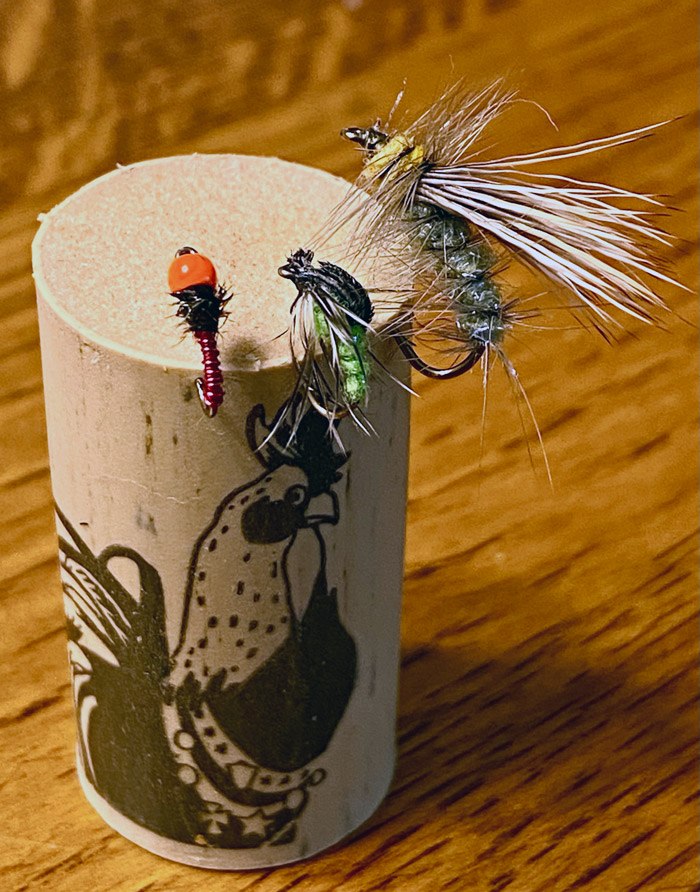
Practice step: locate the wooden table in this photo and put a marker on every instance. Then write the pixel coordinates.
(548, 723)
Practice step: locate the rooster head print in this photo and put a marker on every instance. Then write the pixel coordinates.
(239, 602)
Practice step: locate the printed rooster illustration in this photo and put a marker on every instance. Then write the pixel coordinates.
(216, 742)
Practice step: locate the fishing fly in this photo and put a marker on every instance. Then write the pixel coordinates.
(429, 195)
(201, 303)
(329, 342)
(330, 339)
(462, 219)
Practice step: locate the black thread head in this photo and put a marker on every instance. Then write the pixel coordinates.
(369, 139)
(298, 263)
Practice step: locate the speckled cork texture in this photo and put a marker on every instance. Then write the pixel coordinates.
(233, 601)
(103, 254)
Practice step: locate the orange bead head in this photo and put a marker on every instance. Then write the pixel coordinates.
(189, 269)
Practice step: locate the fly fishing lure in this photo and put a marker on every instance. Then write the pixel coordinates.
(201, 303)
(462, 218)
(330, 324)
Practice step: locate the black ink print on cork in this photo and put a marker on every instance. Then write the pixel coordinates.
(216, 742)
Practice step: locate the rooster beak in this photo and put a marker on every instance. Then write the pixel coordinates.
(322, 509)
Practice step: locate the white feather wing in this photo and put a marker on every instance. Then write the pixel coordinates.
(596, 240)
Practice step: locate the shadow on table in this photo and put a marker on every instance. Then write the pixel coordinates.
(536, 732)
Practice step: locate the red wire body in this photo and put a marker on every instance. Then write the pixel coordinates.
(211, 385)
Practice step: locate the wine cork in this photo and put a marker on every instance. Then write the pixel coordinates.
(233, 606)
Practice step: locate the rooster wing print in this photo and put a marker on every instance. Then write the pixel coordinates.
(217, 742)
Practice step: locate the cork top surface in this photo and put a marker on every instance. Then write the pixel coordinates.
(101, 257)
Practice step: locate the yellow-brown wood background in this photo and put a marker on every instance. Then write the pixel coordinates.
(548, 726)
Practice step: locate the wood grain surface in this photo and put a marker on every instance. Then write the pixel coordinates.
(548, 726)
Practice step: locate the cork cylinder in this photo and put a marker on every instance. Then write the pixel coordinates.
(232, 605)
